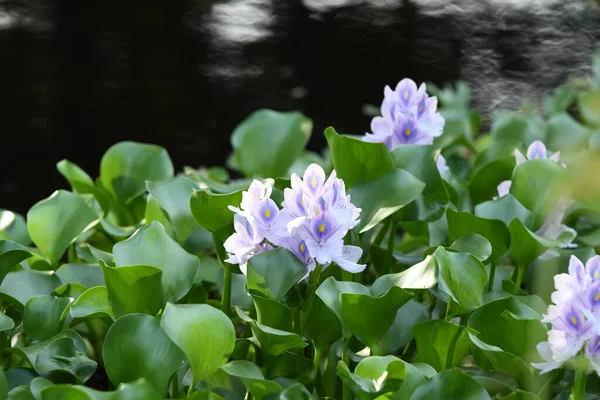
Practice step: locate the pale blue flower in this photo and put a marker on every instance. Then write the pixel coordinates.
(408, 116)
(244, 243)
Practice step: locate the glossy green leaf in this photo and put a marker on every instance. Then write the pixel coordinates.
(267, 142)
(54, 223)
(252, 377)
(400, 333)
(495, 231)
(13, 227)
(506, 208)
(84, 274)
(329, 291)
(322, 326)
(441, 344)
(462, 278)
(520, 395)
(42, 316)
(129, 286)
(375, 375)
(6, 322)
(356, 161)
(564, 133)
(93, 303)
(483, 186)
(369, 317)
(537, 184)
(23, 284)
(275, 272)
(64, 352)
(174, 198)
(419, 161)
(130, 391)
(273, 313)
(38, 385)
(151, 245)
(210, 209)
(589, 107)
(396, 189)
(3, 384)
(137, 347)
(204, 334)
(474, 244)
(450, 384)
(20, 393)
(11, 254)
(126, 166)
(79, 180)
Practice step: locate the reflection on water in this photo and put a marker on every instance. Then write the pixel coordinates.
(79, 76)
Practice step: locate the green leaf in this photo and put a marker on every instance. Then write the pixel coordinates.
(510, 325)
(204, 334)
(329, 292)
(129, 286)
(42, 316)
(506, 208)
(252, 378)
(520, 395)
(174, 198)
(126, 167)
(441, 344)
(79, 180)
(267, 142)
(20, 393)
(400, 333)
(422, 275)
(374, 375)
(64, 352)
(128, 391)
(6, 323)
(450, 384)
(11, 254)
(495, 231)
(137, 347)
(25, 283)
(322, 326)
(272, 341)
(537, 184)
(13, 227)
(19, 377)
(483, 186)
(210, 209)
(274, 273)
(475, 245)
(356, 161)
(419, 161)
(461, 277)
(84, 274)
(565, 133)
(395, 189)
(151, 245)
(273, 313)
(516, 127)
(589, 108)
(3, 383)
(93, 303)
(38, 385)
(54, 223)
(369, 317)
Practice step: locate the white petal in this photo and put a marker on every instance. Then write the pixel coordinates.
(520, 157)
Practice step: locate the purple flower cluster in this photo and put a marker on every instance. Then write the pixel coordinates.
(574, 317)
(314, 217)
(408, 116)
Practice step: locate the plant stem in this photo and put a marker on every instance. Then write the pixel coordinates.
(382, 231)
(346, 392)
(313, 283)
(175, 383)
(578, 390)
(226, 299)
(448, 305)
(492, 276)
(191, 388)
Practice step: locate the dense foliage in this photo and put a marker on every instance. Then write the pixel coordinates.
(416, 262)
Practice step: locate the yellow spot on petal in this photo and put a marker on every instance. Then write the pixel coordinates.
(313, 182)
(596, 275)
(420, 108)
(597, 296)
(406, 95)
(302, 247)
(322, 227)
(302, 203)
(268, 213)
(574, 320)
(408, 131)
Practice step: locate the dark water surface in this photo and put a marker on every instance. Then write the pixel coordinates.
(78, 76)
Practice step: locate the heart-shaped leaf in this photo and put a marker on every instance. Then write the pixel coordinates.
(151, 245)
(252, 377)
(275, 272)
(506, 208)
(441, 344)
(93, 303)
(42, 316)
(495, 231)
(210, 209)
(54, 223)
(204, 334)
(25, 283)
(449, 384)
(84, 274)
(13, 227)
(11, 254)
(137, 347)
(474, 244)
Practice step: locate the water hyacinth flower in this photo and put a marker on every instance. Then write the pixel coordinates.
(574, 317)
(314, 217)
(408, 116)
